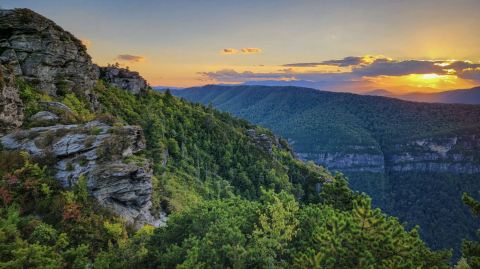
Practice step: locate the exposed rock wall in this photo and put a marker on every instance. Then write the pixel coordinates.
(36, 50)
(347, 162)
(124, 79)
(43, 54)
(100, 153)
(458, 155)
(11, 106)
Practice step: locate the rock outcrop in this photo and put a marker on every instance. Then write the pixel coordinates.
(347, 162)
(44, 116)
(266, 141)
(43, 54)
(104, 156)
(456, 155)
(124, 79)
(11, 106)
(36, 50)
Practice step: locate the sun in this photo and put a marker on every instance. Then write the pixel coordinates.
(430, 76)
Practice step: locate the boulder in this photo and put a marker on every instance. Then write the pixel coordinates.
(44, 116)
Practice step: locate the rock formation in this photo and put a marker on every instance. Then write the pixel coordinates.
(124, 79)
(456, 154)
(347, 162)
(54, 62)
(43, 54)
(100, 153)
(11, 106)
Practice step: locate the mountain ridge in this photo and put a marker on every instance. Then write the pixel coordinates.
(373, 140)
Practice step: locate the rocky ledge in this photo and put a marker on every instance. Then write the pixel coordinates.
(104, 155)
(458, 155)
(124, 79)
(347, 162)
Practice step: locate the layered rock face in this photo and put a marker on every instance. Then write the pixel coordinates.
(456, 155)
(43, 54)
(123, 78)
(347, 162)
(103, 155)
(53, 61)
(11, 106)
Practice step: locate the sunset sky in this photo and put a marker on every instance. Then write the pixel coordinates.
(357, 46)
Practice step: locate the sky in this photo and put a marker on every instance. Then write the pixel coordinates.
(357, 45)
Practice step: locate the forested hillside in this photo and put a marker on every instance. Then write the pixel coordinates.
(414, 159)
(233, 202)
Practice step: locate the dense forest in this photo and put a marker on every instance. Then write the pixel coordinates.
(232, 202)
(319, 122)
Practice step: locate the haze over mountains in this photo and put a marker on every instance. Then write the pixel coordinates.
(466, 96)
(414, 159)
(463, 96)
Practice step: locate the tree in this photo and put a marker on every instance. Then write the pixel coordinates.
(471, 249)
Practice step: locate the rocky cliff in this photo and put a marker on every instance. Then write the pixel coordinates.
(39, 52)
(43, 54)
(100, 153)
(11, 106)
(456, 155)
(354, 159)
(123, 78)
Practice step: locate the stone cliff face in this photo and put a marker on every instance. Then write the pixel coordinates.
(11, 106)
(457, 155)
(53, 61)
(347, 162)
(100, 153)
(43, 54)
(123, 78)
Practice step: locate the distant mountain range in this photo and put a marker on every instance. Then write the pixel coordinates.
(410, 157)
(467, 96)
(464, 96)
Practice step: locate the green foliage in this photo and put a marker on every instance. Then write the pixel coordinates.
(471, 249)
(322, 122)
(208, 154)
(43, 226)
(29, 96)
(277, 233)
(79, 107)
(233, 202)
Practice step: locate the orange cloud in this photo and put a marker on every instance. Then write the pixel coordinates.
(251, 50)
(229, 51)
(86, 42)
(130, 58)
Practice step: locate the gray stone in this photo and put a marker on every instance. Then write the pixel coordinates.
(44, 116)
(42, 53)
(124, 187)
(56, 105)
(124, 79)
(11, 106)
